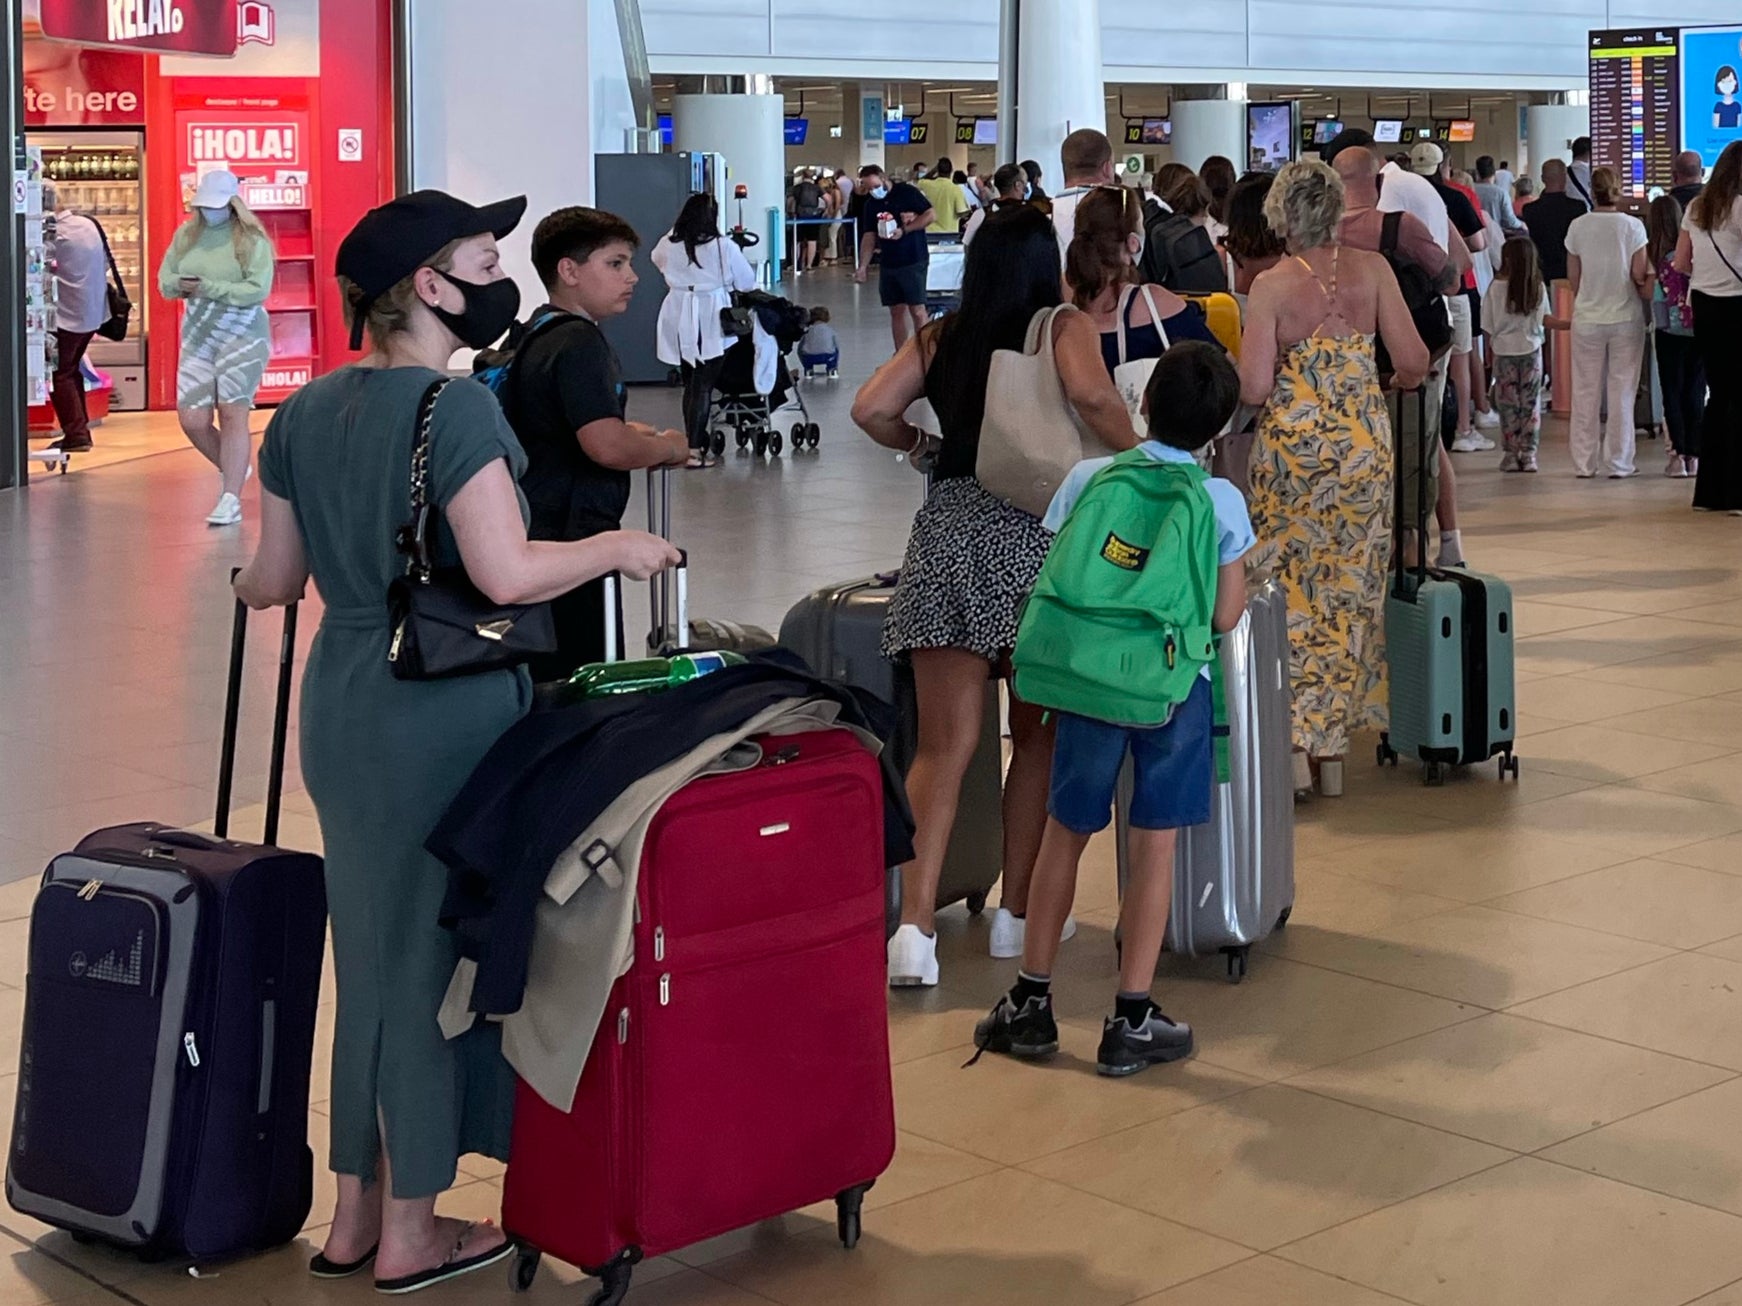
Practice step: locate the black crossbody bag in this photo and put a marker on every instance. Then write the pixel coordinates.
(443, 625)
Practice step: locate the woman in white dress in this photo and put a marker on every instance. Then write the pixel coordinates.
(701, 271)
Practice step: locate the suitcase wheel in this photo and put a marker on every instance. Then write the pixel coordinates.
(1236, 963)
(525, 1269)
(1509, 765)
(1433, 774)
(1387, 754)
(976, 902)
(614, 1278)
(1282, 920)
(848, 1205)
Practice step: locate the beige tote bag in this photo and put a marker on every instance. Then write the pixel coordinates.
(1031, 437)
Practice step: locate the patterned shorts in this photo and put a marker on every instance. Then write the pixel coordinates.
(224, 351)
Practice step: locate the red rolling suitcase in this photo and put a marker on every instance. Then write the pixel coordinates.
(742, 1069)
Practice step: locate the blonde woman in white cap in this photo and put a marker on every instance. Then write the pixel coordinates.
(221, 263)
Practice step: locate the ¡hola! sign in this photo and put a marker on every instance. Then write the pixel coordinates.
(174, 26)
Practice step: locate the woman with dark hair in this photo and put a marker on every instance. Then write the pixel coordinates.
(1181, 254)
(1680, 373)
(382, 756)
(1218, 174)
(701, 270)
(972, 559)
(1251, 245)
(1709, 254)
(1135, 322)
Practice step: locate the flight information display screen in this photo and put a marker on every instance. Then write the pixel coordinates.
(1636, 105)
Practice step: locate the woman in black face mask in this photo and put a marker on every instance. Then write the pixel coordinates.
(383, 756)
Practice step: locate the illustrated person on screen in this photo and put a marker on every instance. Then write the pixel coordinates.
(1727, 112)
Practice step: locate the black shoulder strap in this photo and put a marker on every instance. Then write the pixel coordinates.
(413, 538)
(1582, 191)
(1389, 232)
(108, 253)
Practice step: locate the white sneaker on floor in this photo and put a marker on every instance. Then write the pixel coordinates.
(1010, 932)
(1675, 468)
(913, 958)
(1488, 421)
(1471, 442)
(227, 513)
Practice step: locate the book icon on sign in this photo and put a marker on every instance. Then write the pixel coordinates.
(256, 22)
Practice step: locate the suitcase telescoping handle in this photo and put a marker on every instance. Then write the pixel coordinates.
(679, 580)
(1425, 448)
(233, 716)
(669, 628)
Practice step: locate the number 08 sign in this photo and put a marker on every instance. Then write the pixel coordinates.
(176, 26)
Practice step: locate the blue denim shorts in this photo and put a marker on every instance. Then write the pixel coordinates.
(1174, 765)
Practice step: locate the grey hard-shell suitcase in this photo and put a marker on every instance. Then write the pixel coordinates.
(839, 632)
(1234, 876)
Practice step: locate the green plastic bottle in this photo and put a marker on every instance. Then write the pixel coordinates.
(645, 676)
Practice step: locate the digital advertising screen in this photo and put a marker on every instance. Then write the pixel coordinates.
(665, 129)
(985, 131)
(1711, 96)
(897, 131)
(1269, 134)
(1460, 129)
(1157, 131)
(796, 130)
(1388, 131)
(1635, 91)
(1326, 129)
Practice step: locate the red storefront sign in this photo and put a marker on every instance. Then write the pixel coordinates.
(73, 86)
(176, 26)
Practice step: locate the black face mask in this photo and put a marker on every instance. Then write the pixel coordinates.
(490, 310)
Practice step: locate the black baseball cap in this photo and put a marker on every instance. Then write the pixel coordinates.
(391, 242)
(1346, 139)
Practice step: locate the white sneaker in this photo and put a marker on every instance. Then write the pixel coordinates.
(1010, 932)
(913, 958)
(1471, 442)
(227, 513)
(1488, 421)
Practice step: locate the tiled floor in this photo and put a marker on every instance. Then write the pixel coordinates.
(1495, 1059)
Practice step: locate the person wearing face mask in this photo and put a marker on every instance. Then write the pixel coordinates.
(893, 223)
(1011, 189)
(382, 757)
(220, 263)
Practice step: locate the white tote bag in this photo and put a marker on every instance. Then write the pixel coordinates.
(1131, 378)
(1030, 437)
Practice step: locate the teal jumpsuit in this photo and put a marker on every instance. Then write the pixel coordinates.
(382, 758)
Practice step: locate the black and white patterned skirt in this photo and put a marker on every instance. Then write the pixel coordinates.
(971, 560)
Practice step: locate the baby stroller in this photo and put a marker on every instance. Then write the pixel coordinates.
(738, 405)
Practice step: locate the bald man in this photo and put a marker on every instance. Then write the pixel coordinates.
(1363, 224)
(1686, 175)
(1550, 216)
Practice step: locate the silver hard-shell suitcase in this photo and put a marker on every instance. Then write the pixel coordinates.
(1234, 877)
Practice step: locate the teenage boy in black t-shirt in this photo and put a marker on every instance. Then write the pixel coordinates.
(894, 222)
(565, 399)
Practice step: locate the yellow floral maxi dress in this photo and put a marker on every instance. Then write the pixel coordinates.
(1322, 495)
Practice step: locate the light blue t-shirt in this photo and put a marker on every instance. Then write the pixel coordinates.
(1234, 534)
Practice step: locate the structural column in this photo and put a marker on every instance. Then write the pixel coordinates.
(862, 125)
(1051, 73)
(1213, 124)
(1552, 129)
(749, 130)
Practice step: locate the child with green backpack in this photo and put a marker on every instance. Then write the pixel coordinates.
(1118, 640)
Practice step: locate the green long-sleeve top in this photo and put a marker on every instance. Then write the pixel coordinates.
(212, 258)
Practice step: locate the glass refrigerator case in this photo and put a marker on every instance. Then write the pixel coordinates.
(102, 175)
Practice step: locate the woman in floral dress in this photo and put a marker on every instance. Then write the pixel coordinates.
(1322, 483)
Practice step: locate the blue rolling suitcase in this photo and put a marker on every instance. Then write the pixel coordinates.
(1449, 649)
(169, 1020)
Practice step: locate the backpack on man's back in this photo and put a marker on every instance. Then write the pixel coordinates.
(1427, 306)
(495, 366)
(1180, 256)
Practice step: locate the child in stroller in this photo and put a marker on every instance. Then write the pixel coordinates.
(737, 402)
(820, 346)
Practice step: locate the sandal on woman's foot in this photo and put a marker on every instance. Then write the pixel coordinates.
(698, 461)
(452, 1268)
(323, 1268)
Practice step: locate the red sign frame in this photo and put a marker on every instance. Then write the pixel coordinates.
(165, 26)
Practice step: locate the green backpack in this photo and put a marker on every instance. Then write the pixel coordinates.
(1117, 628)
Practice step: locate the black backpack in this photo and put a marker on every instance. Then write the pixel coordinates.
(1433, 320)
(1180, 256)
(495, 366)
(807, 199)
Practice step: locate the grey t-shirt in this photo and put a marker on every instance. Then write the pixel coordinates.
(81, 274)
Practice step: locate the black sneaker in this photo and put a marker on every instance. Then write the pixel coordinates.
(1125, 1051)
(1029, 1031)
